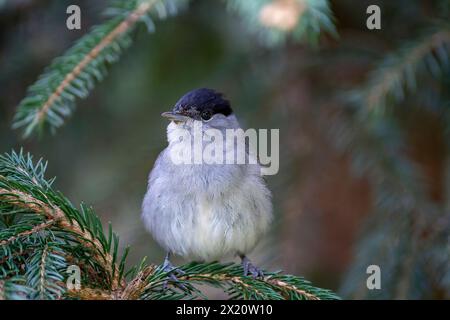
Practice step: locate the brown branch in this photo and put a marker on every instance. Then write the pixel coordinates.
(131, 292)
(90, 294)
(136, 286)
(287, 286)
(238, 280)
(35, 229)
(122, 28)
(2, 290)
(385, 83)
(27, 201)
(42, 271)
(218, 277)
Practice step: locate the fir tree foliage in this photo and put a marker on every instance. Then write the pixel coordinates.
(74, 74)
(397, 73)
(42, 234)
(407, 233)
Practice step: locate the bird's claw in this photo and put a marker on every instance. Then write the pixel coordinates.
(172, 273)
(173, 279)
(251, 269)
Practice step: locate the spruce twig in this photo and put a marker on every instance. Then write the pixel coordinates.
(73, 75)
(398, 71)
(55, 214)
(123, 27)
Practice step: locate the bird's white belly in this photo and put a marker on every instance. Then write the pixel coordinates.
(207, 213)
(204, 235)
(213, 233)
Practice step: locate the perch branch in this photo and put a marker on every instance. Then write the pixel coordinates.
(55, 214)
(238, 280)
(123, 27)
(386, 81)
(35, 229)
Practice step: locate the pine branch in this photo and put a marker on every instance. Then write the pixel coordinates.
(376, 148)
(73, 75)
(81, 223)
(398, 72)
(271, 286)
(35, 229)
(14, 289)
(148, 284)
(44, 272)
(41, 234)
(393, 234)
(55, 214)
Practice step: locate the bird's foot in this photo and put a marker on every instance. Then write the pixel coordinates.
(169, 267)
(172, 273)
(251, 269)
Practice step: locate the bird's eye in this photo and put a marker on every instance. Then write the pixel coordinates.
(206, 115)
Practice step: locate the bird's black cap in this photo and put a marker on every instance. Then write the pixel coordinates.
(201, 103)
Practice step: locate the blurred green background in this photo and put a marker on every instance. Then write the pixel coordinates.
(335, 209)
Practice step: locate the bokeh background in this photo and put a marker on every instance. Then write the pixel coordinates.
(356, 186)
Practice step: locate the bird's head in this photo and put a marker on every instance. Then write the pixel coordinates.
(205, 105)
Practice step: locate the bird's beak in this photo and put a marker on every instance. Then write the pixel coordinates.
(172, 116)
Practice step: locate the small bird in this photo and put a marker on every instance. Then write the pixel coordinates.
(205, 212)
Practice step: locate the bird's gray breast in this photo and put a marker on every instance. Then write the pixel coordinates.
(205, 211)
